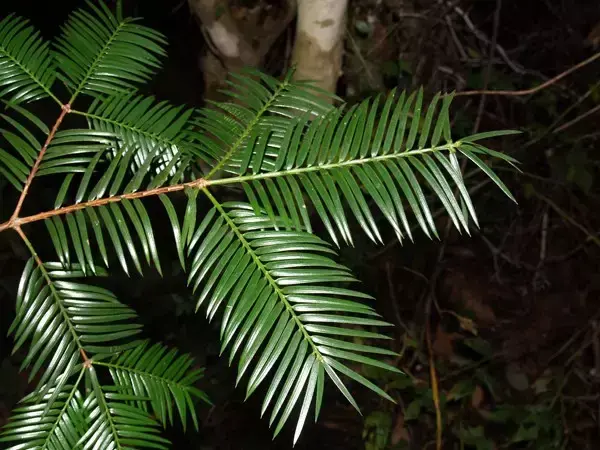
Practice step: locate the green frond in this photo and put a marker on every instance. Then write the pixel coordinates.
(291, 315)
(230, 127)
(100, 52)
(54, 422)
(76, 151)
(471, 150)
(126, 225)
(27, 69)
(163, 376)
(98, 167)
(387, 152)
(150, 127)
(21, 144)
(61, 318)
(133, 143)
(113, 424)
(281, 304)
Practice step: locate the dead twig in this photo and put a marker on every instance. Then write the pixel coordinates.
(498, 253)
(373, 82)
(577, 119)
(456, 40)
(565, 256)
(572, 339)
(488, 68)
(539, 280)
(533, 90)
(482, 37)
(585, 344)
(591, 236)
(580, 100)
(594, 135)
(433, 376)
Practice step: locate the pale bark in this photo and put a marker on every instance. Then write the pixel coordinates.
(319, 44)
(234, 45)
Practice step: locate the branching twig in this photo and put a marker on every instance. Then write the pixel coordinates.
(65, 110)
(18, 221)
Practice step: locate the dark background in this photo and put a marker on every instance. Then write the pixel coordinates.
(536, 314)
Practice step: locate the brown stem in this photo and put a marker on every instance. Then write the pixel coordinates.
(16, 223)
(87, 362)
(65, 110)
